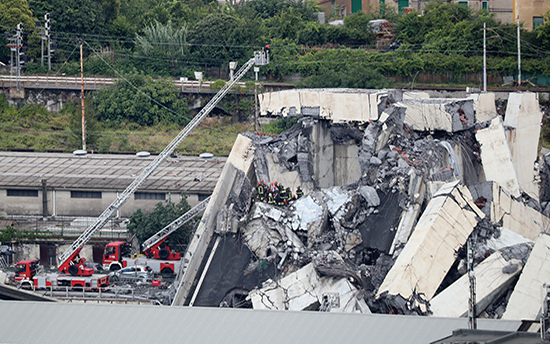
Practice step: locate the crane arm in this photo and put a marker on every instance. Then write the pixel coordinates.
(260, 58)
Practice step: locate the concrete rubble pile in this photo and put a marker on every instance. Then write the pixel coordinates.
(395, 185)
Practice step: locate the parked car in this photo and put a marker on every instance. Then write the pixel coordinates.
(135, 273)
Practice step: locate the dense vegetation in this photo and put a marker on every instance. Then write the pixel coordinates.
(172, 38)
(145, 42)
(143, 226)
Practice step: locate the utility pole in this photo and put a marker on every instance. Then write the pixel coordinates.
(19, 44)
(519, 49)
(256, 124)
(484, 57)
(12, 44)
(472, 283)
(545, 310)
(47, 34)
(82, 99)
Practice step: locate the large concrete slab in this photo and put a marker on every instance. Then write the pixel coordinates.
(443, 228)
(450, 115)
(524, 116)
(526, 299)
(491, 282)
(497, 158)
(337, 105)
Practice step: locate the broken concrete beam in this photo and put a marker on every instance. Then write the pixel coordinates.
(484, 106)
(406, 225)
(442, 229)
(450, 115)
(240, 159)
(497, 158)
(506, 238)
(523, 115)
(526, 299)
(492, 280)
(515, 215)
(337, 105)
(306, 290)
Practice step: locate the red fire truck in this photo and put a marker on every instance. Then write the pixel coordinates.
(28, 273)
(161, 258)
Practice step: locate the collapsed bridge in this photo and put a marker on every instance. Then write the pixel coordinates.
(395, 184)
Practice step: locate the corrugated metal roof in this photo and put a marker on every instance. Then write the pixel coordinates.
(107, 172)
(42, 322)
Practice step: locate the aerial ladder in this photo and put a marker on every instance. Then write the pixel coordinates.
(151, 247)
(69, 261)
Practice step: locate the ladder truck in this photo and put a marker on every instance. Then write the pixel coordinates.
(161, 260)
(69, 260)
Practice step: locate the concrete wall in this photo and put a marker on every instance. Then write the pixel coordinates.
(323, 156)
(60, 203)
(333, 165)
(26, 251)
(346, 164)
(32, 251)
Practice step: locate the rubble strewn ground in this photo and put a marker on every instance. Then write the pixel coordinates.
(392, 194)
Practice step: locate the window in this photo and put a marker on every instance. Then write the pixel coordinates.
(150, 195)
(85, 194)
(537, 21)
(463, 3)
(485, 5)
(22, 193)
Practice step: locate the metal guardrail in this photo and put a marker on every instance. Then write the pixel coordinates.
(90, 83)
(108, 294)
(55, 82)
(67, 226)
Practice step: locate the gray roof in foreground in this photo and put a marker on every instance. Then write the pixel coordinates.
(107, 172)
(45, 322)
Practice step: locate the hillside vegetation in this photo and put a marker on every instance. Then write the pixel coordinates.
(146, 42)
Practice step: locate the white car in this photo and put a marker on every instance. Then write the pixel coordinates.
(141, 273)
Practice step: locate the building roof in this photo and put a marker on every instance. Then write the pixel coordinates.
(44, 322)
(464, 336)
(107, 172)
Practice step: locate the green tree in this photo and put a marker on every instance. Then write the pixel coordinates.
(164, 40)
(13, 12)
(219, 38)
(358, 29)
(543, 33)
(141, 99)
(352, 76)
(146, 225)
(437, 15)
(82, 17)
(74, 130)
